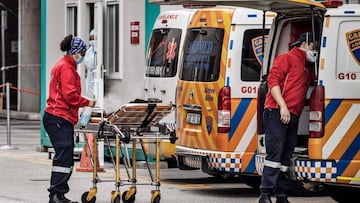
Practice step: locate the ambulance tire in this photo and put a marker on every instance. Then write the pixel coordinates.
(342, 194)
(253, 181)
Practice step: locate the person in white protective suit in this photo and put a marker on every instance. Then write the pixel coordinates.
(90, 66)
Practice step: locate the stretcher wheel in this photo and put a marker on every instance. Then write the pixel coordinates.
(117, 199)
(130, 200)
(84, 200)
(156, 199)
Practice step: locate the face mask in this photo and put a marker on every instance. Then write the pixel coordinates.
(311, 56)
(79, 60)
(92, 43)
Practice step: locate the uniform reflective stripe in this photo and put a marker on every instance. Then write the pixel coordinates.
(272, 164)
(60, 169)
(284, 168)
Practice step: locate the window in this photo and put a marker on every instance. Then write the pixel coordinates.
(111, 48)
(91, 9)
(163, 53)
(71, 19)
(252, 54)
(202, 54)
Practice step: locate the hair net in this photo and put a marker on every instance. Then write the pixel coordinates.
(77, 45)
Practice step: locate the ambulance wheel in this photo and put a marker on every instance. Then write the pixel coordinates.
(156, 199)
(117, 199)
(130, 200)
(84, 200)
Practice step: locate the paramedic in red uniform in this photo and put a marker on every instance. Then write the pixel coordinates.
(61, 114)
(288, 82)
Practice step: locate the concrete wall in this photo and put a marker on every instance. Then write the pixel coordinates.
(29, 55)
(132, 59)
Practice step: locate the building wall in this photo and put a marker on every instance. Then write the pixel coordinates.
(132, 60)
(29, 55)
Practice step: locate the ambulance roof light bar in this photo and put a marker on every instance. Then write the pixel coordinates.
(331, 3)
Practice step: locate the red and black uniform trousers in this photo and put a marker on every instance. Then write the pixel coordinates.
(280, 141)
(61, 134)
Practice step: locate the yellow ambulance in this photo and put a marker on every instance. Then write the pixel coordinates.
(216, 90)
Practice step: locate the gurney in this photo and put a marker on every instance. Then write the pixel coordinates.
(130, 124)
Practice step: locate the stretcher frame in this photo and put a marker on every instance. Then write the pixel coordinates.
(132, 122)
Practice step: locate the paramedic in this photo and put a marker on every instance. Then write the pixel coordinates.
(288, 82)
(89, 61)
(61, 114)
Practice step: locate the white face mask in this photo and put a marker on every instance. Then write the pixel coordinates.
(311, 56)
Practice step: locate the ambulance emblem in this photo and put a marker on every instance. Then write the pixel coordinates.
(191, 94)
(257, 47)
(353, 42)
(170, 55)
(209, 123)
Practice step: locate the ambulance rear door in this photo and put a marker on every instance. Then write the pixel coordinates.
(201, 77)
(163, 56)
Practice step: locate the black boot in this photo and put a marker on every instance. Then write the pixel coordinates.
(282, 199)
(265, 198)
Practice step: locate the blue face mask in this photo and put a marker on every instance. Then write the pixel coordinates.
(92, 43)
(79, 60)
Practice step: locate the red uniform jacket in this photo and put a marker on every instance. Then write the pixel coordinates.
(289, 72)
(65, 91)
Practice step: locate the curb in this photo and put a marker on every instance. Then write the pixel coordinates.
(21, 115)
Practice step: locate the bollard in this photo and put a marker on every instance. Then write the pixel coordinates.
(8, 146)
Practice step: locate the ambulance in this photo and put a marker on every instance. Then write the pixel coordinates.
(161, 71)
(328, 146)
(215, 94)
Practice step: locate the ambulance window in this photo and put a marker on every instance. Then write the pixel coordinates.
(202, 54)
(252, 56)
(163, 53)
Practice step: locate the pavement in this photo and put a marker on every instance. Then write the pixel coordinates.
(25, 169)
(25, 175)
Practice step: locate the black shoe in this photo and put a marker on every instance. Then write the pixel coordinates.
(57, 198)
(265, 198)
(66, 199)
(282, 200)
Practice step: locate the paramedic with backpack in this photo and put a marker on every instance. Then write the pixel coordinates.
(288, 82)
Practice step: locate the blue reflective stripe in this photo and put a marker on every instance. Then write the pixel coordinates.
(331, 108)
(324, 41)
(231, 44)
(238, 115)
(252, 15)
(349, 155)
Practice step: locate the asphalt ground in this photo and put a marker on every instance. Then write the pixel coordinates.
(25, 176)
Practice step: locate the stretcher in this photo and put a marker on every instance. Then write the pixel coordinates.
(130, 124)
